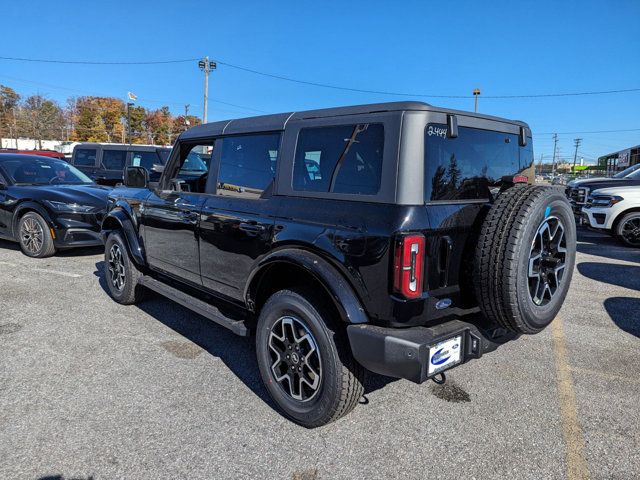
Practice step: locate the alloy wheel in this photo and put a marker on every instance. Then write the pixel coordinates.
(116, 267)
(547, 261)
(630, 231)
(32, 235)
(295, 357)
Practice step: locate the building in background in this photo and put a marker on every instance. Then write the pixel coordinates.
(617, 161)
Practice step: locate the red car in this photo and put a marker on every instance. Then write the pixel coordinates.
(42, 153)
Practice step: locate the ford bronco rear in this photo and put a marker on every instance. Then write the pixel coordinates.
(398, 238)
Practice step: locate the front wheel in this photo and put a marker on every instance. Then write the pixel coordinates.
(305, 360)
(628, 229)
(121, 273)
(35, 236)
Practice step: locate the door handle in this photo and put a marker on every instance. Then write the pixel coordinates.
(251, 227)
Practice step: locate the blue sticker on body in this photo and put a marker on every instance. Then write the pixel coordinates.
(547, 211)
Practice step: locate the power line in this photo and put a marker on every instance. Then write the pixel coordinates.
(592, 131)
(319, 84)
(94, 62)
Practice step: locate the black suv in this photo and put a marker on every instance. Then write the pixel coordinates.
(398, 238)
(105, 162)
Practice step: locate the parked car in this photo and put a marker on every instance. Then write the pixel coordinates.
(615, 210)
(105, 162)
(42, 153)
(353, 238)
(578, 191)
(48, 205)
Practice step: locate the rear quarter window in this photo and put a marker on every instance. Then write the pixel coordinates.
(85, 157)
(339, 159)
(470, 166)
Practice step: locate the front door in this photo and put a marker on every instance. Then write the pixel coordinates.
(171, 218)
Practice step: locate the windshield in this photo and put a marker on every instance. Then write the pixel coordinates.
(634, 176)
(469, 166)
(627, 171)
(32, 170)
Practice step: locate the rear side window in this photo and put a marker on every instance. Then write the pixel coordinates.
(114, 159)
(85, 157)
(470, 166)
(247, 164)
(339, 159)
(146, 160)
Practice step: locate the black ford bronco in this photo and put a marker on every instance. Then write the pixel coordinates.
(398, 238)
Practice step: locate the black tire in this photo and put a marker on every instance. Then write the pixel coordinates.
(34, 236)
(340, 379)
(628, 229)
(511, 237)
(121, 273)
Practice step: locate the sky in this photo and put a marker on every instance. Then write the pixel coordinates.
(415, 47)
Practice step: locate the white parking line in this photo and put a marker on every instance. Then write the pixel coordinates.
(42, 270)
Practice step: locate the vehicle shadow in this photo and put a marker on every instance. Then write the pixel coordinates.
(237, 353)
(625, 313)
(71, 252)
(627, 276)
(606, 246)
(7, 245)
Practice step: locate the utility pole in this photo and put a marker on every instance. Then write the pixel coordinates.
(206, 66)
(553, 162)
(476, 93)
(576, 143)
(129, 105)
(540, 164)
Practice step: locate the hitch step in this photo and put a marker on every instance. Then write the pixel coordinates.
(195, 304)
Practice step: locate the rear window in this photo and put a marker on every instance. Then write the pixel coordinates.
(470, 166)
(85, 157)
(339, 159)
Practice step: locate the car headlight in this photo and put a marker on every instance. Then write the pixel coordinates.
(69, 207)
(604, 201)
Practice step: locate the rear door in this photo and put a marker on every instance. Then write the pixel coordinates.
(85, 159)
(237, 223)
(461, 175)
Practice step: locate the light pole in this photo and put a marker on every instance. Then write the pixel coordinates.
(206, 66)
(129, 105)
(476, 93)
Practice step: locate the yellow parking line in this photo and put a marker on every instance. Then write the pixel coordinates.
(577, 468)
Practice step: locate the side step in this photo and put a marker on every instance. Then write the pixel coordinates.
(203, 308)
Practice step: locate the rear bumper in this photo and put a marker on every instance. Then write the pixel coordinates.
(404, 353)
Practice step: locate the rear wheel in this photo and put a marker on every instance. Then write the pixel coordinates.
(34, 236)
(305, 360)
(121, 273)
(525, 257)
(628, 229)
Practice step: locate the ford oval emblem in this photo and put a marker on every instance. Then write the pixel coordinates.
(444, 303)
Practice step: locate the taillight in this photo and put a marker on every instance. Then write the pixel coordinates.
(408, 264)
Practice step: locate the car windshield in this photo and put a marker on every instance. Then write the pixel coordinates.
(42, 171)
(627, 171)
(634, 176)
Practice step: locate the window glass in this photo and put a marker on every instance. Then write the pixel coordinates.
(247, 164)
(339, 159)
(85, 157)
(42, 171)
(114, 159)
(191, 173)
(145, 159)
(469, 166)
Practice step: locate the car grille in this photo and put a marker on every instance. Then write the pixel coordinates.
(577, 196)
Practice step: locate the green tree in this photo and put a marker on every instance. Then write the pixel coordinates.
(41, 118)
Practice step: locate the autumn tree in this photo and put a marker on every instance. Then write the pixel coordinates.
(40, 118)
(9, 100)
(98, 119)
(158, 125)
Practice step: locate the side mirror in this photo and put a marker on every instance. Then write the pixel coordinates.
(136, 177)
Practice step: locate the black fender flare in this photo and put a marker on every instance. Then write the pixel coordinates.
(343, 295)
(131, 237)
(33, 206)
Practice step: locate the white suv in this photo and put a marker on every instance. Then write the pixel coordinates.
(616, 210)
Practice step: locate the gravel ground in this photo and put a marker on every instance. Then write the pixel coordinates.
(92, 389)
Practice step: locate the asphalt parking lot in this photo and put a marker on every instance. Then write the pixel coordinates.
(92, 389)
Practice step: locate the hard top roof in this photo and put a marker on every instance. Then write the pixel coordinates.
(121, 146)
(277, 121)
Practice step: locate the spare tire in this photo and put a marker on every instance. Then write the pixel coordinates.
(525, 257)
